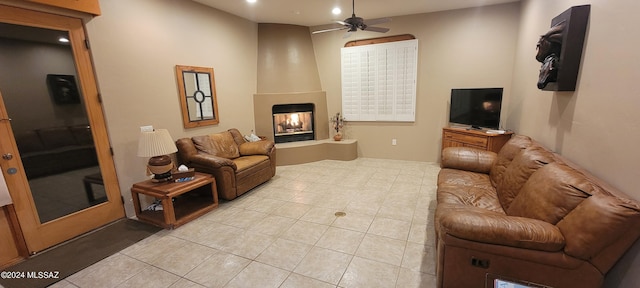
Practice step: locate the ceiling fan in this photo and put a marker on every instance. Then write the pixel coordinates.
(354, 23)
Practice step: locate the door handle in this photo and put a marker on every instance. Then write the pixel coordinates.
(7, 156)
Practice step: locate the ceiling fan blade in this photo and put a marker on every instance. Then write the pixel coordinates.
(329, 30)
(376, 21)
(376, 29)
(354, 23)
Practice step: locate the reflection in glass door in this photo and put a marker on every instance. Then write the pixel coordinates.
(49, 121)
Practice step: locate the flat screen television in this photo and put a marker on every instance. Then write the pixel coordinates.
(476, 107)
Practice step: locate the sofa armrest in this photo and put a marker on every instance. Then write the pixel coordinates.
(210, 161)
(476, 224)
(256, 148)
(469, 159)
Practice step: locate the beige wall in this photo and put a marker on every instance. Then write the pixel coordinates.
(461, 48)
(598, 125)
(286, 62)
(136, 45)
(585, 125)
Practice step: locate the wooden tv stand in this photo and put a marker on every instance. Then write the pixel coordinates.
(463, 137)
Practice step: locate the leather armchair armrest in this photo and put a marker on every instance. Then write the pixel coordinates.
(256, 148)
(479, 225)
(469, 159)
(210, 161)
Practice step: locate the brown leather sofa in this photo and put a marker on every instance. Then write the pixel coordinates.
(527, 214)
(237, 165)
(54, 150)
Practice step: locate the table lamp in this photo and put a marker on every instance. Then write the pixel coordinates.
(157, 144)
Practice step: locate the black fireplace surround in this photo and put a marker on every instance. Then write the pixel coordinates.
(293, 122)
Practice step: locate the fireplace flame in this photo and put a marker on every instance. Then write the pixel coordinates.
(295, 120)
(292, 123)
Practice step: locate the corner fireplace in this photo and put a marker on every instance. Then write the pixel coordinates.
(293, 122)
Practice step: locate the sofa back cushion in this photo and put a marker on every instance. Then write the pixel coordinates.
(237, 136)
(219, 144)
(29, 142)
(523, 165)
(56, 137)
(551, 193)
(509, 151)
(82, 134)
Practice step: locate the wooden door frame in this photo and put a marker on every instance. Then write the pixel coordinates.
(40, 236)
(13, 248)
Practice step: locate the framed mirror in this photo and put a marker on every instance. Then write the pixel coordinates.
(197, 96)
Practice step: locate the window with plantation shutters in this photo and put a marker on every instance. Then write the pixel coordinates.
(379, 81)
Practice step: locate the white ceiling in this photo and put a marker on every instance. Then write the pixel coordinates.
(318, 12)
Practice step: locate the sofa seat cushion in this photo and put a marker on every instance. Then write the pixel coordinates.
(465, 188)
(254, 175)
(551, 193)
(220, 144)
(464, 178)
(245, 162)
(484, 226)
(475, 196)
(61, 150)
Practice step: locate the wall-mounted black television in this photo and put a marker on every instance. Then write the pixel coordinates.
(476, 107)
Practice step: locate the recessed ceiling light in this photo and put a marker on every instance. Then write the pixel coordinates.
(63, 40)
(251, 1)
(336, 11)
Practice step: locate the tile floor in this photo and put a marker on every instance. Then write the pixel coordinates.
(285, 234)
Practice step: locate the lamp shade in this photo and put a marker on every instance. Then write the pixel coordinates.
(156, 143)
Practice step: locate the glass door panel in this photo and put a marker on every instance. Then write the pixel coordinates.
(60, 172)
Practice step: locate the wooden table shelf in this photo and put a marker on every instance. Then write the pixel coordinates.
(181, 201)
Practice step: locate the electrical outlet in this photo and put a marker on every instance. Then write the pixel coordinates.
(394, 142)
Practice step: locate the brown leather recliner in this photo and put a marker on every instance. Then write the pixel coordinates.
(237, 165)
(527, 214)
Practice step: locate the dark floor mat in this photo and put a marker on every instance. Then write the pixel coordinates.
(77, 254)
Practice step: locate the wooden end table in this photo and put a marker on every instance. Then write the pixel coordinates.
(181, 201)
